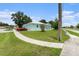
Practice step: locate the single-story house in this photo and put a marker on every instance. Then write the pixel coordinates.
(35, 26)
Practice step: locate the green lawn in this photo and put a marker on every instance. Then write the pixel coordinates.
(73, 33)
(50, 36)
(12, 46)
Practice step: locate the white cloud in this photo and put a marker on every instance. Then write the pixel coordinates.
(36, 19)
(67, 12)
(6, 13)
(5, 16)
(72, 3)
(68, 15)
(77, 14)
(70, 18)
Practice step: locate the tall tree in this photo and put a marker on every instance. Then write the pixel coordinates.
(77, 26)
(20, 18)
(54, 24)
(43, 21)
(51, 22)
(71, 26)
(4, 24)
(59, 21)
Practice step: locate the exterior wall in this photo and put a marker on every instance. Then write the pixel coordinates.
(35, 27)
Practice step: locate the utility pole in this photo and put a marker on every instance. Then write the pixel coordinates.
(59, 21)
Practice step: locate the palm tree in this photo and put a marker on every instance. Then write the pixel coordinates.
(59, 21)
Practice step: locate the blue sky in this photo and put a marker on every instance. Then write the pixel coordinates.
(35, 11)
(70, 14)
(38, 11)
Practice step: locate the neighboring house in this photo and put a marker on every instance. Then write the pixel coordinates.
(35, 26)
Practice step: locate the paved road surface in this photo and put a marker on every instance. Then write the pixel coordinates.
(3, 31)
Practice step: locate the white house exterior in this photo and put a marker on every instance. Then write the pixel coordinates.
(35, 26)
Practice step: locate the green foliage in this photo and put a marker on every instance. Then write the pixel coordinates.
(3, 24)
(71, 26)
(12, 46)
(20, 18)
(43, 21)
(42, 26)
(51, 22)
(77, 26)
(54, 24)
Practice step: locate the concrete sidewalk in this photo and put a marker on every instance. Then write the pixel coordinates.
(37, 42)
(73, 30)
(71, 47)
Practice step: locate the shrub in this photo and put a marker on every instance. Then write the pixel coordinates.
(54, 24)
(42, 26)
(71, 26)
(77, 26)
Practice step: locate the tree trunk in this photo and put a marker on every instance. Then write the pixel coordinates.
(20, 25)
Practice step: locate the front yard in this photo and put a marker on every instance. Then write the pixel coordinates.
(12, 46)
(50, 36)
